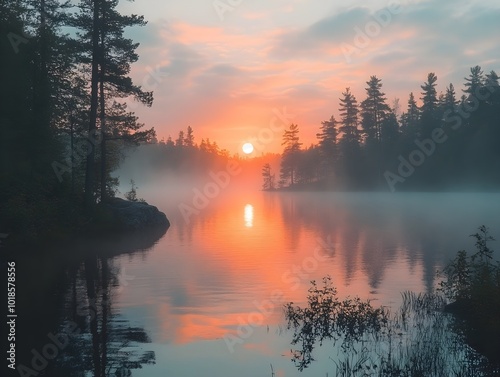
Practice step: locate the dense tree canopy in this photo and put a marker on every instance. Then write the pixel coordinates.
(445, 143)
(65, 73)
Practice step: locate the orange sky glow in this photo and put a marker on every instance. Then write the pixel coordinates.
(224, 75)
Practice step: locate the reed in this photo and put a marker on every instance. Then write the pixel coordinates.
(415, 340)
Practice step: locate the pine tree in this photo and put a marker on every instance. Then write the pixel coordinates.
(374, 111)
(474, 81)
(349, 118)
(429, 118)
(413, 111)
(169, 143)
(309, 165)
(15, 110)
(327, 138)
(449, 101)
(389, 130)
(203, 145)
(349, 144)
(51, 76)
(32, 72)
(268, 178)
(117, 54)
(491, 84)
(410, 119)
(110, 55)
(491, 80)
(290, 154)
(429, 94)
(95, 60)
(189, 139)
(179, 142)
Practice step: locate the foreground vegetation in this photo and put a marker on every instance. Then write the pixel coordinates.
(420, 338)
(472, 284)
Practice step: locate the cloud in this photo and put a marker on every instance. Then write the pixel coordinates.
(183, 60)
(234, 73)
(328, 31)
(224, 70)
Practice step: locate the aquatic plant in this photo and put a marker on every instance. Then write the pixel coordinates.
(472, 284)
(416, 340)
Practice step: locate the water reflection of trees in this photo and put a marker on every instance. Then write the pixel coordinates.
(416, 340)
(104, 343)
(377, 227)
(55, 294)
(101, 342)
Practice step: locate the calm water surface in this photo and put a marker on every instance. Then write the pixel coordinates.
(209, 293)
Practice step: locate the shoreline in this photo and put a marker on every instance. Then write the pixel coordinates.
(114, 219)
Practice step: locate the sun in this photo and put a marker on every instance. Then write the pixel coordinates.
(247, 148)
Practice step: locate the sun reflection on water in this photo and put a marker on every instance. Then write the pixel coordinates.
(248, 216)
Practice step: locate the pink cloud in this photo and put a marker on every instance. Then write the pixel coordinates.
(225, 77)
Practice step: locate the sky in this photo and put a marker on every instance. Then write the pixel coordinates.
(243, 70)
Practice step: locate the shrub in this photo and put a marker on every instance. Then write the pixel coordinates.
(132, 194)
(473, 281)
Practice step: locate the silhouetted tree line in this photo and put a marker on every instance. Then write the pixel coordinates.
(64, 120)
(445, 143)
(181, 154)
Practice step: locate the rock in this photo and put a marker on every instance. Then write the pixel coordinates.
(137, 215)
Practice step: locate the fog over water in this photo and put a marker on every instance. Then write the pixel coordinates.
(208, 275)
(227, 255)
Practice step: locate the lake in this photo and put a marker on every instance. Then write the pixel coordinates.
(207, 296)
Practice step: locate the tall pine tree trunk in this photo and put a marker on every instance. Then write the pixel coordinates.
(41, 99)
(90, 169)
(103, 147)
(72, 148)
(103, 115)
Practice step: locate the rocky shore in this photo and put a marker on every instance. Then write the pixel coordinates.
(136, 215)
